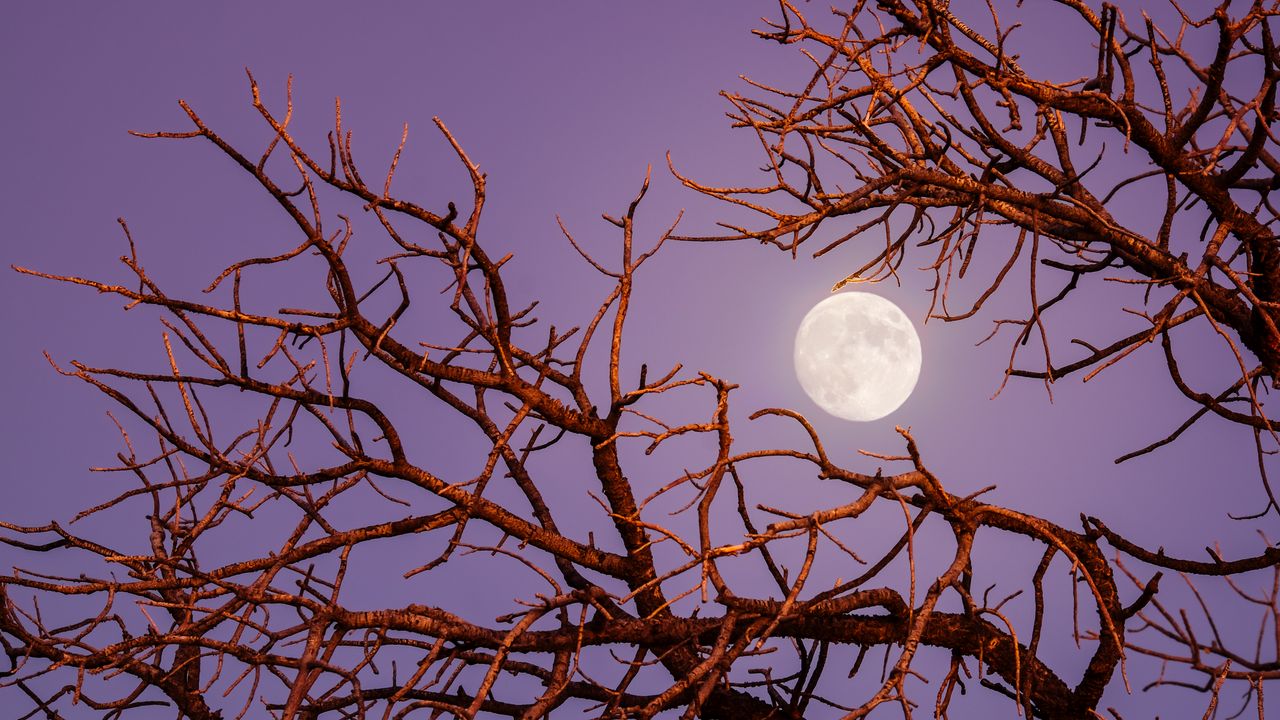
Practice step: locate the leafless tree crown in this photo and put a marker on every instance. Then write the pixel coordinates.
(940, 134)
(916, 129)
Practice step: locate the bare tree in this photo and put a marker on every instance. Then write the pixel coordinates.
(917, 125)
(654, 610)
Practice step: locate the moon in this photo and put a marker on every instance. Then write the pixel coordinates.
(857, 356)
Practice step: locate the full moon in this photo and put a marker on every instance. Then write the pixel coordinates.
(857, 356)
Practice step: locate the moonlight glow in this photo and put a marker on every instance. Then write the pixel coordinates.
(857, 356)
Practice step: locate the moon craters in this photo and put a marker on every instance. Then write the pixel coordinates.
(857, 356)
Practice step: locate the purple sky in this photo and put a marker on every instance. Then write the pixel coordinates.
(564, 106)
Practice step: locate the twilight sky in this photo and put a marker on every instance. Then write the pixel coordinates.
(563, 105)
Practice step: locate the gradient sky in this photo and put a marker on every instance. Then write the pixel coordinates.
(563, 105)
